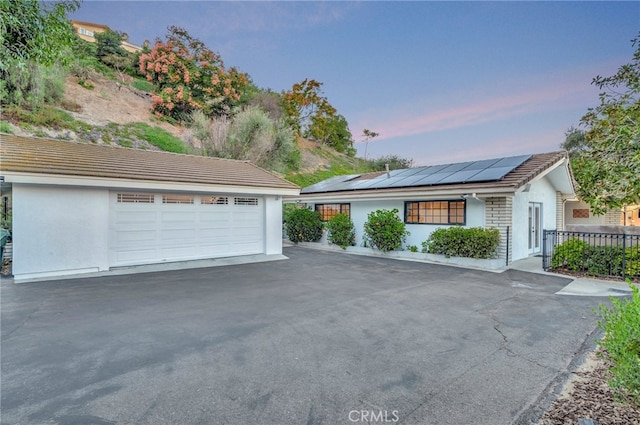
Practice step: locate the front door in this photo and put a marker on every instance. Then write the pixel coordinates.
(535, 227)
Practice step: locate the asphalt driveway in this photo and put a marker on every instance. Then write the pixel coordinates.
(322, 338)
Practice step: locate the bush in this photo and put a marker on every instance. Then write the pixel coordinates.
(304, 225)
(341, 231)
(569, 255)
(578, 256)
(384, 230)
(470, 242)
(621, 324)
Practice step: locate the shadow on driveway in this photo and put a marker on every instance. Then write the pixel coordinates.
(322, 338)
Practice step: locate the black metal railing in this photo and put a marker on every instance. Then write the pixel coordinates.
(593, 254)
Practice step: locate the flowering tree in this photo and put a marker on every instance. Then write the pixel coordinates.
(189, 76)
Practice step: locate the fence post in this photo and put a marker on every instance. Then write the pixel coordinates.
(506, 260)
(624, 256)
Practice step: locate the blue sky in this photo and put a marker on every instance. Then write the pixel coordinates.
(440, 81)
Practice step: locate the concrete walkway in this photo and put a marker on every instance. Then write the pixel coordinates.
(580, 286)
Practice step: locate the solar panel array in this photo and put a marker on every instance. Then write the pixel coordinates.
(463, 172)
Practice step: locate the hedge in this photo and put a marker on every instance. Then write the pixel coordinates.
(471, 242)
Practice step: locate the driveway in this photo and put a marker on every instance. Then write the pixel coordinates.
(322, 338)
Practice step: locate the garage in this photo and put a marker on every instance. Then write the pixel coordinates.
(152, 228)
(80, 208)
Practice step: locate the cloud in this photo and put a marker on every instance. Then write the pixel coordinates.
(542, 97)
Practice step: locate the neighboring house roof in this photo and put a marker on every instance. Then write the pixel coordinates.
(500, 174)
(89, 24)
(34, 156)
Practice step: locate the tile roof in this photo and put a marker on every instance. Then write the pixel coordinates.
(55, 157)
(529, 167)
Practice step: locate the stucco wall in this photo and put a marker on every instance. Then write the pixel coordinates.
(540, 191)
(419, 232)
(273, 224)
(59, 231)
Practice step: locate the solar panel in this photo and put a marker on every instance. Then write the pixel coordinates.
(464, 172)
(425, 171)
(459, 176)
(495, 173)
(451, 168)
(432, 179)
(513, 161)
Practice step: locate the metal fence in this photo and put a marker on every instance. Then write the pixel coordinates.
(593, 254)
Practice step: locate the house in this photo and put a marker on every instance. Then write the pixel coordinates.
(88, 30)
(81, 208)
(578, 213)
(519, 195)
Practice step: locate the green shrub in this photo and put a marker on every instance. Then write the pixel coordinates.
(578, 256)
(569, 255)
(304, 225)
(5, 127)
(412, 248)
(384, 230)
(621, 324)
(470, 242)
(341, 231)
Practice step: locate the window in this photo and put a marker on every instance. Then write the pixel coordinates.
(581, 213)
(135, 198)
(177, 199)
(89, 33)
(328, 211)
(245, 201)
(435, 212)
(82, 31)
(214, 200)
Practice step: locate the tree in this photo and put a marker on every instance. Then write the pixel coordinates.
(368, 135)
(608, 170)
(331, 130)
(34, 41)
(574, 142)
(303, 102)
(35, 31)
(394, 162)
(108, 43)
(189, 76)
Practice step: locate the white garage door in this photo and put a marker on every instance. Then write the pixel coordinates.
(152, 228)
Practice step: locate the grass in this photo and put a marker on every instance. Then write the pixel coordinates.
(158, 137)
(142, 85)
(5, 127)
(621, 324)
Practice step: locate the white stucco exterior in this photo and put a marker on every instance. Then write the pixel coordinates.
(418, 232)
(541, 192)
(68, 230)
(59, 231)
(506, 209)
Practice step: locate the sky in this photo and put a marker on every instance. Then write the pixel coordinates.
(440, 82)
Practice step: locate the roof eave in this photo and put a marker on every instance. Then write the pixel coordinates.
(131, 184)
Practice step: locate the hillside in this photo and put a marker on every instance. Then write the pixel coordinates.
(105, 111)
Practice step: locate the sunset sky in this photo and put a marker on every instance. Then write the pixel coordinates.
(440, 81)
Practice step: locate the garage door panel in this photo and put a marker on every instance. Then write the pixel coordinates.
(135, 218)
(177, 235)
(138, 256)
(153, 232)
(134, 237)
(181, 217)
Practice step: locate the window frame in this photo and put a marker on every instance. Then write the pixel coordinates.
(340, 206)
(449, 210)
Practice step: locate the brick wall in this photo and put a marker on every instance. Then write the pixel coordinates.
(498, 212)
